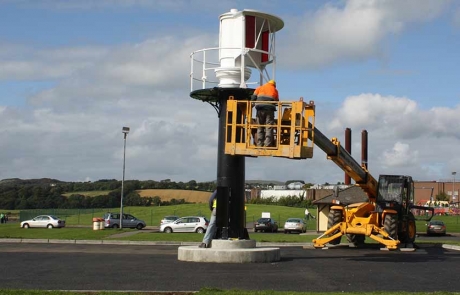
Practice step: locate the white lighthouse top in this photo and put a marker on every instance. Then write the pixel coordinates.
(245, 57)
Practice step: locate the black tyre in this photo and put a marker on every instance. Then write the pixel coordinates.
(115, 226)
(140, 226)
(409, 230)
(391, 225)
(26, 225)
(168, 230)
(334, 217)
(285, 232)
(50, 226)
(200, 230)
(356, 239)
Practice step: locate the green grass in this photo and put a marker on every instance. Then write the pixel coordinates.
(88, 193)
(212, 291)
(153, 215)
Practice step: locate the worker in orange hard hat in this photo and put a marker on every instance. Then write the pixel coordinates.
(265, 112)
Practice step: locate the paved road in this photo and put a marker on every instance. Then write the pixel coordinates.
(156, 268)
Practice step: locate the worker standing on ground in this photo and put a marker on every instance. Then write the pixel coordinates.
(308, 214)
(212, 228)
(265, 112)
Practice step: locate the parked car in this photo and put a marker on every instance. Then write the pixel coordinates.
(112, 220)
(266, 224)
(435, 227)
(295, 225)
(188, 224)
(168, 219)
(45, 221)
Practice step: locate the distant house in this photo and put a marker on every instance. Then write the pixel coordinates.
(349, 195)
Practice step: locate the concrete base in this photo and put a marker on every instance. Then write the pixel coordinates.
(229, 251)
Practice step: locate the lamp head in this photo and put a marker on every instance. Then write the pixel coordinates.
(125, 130)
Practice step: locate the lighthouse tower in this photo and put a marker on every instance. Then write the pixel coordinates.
(244, 60)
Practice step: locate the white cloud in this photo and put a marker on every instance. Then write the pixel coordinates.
(399, 156)
(354, 31)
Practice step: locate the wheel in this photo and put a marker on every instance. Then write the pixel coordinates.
(356, 239)
(26, 225)
(139, 226)
(168, 230)
(200, 230)
(334, 217)
(304, 230)
(115, 226)
(390, 225)
(409, 230)
(49, 226)
(285, 232)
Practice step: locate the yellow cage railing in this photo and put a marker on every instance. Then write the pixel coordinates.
(293, 129)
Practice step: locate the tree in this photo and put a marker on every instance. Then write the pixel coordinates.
(442, 196)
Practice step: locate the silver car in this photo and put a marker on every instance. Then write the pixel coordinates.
(45, 221)
(189, 224)
(295, 225)
(112, 220)
(168, 219)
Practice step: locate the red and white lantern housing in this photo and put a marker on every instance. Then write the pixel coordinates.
(246, 43)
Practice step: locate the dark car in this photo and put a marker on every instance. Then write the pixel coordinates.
(266, 225)
(436, 227)
(112, 220)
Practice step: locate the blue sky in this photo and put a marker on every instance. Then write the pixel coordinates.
(72, 73)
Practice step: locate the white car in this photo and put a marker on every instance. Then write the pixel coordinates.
(45, 221)
(295, 225)
(168, 219)
(189, 224)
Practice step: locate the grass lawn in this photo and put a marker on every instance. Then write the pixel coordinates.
(218, 292)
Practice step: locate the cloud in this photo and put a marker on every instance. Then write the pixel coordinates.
(134, 72)
(354, 31)
(399, 156)
(19, 62)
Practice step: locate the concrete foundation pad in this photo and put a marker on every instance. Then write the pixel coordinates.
(229, 251)
(251, 255)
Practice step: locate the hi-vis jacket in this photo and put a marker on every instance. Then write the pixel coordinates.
(266, 92)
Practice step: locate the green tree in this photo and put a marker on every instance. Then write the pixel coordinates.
(442, 196)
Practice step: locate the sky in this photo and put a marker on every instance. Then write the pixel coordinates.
(73, 73)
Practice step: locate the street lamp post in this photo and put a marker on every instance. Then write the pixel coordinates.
(453, 186)
(125, 132)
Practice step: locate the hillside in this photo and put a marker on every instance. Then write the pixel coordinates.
(168, 194)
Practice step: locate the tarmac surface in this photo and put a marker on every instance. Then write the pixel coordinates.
(80, 265)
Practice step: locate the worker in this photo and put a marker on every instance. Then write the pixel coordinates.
(212, 228)
(308, 214)
(265, 112)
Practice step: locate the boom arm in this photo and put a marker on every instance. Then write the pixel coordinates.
(345, 161)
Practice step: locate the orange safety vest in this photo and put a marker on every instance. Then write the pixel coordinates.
(267, 90)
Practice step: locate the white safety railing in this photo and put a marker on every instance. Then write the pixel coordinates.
(204, 63)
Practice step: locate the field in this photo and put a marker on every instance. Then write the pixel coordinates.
(169, 194)
(88, 193)
(165, 194)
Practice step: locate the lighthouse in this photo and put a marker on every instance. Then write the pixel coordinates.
(244, 59)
